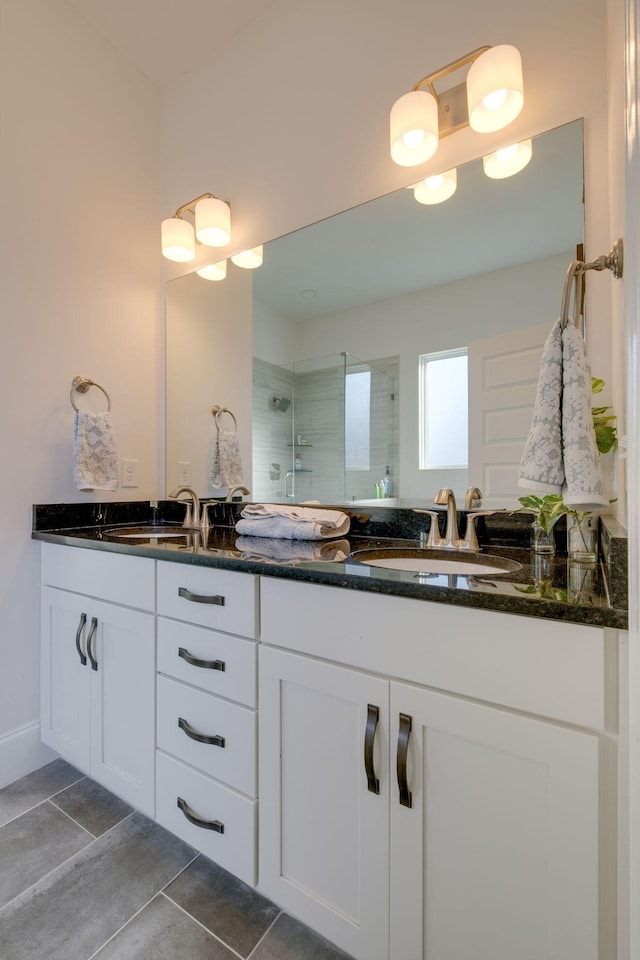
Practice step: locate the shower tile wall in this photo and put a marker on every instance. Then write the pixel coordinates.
(272, 431)
(319, 418)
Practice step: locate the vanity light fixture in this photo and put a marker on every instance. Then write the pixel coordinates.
(212, 227)
(248, 259)
(436, 189)
(508, 160)
(490, 99)
(213, 271)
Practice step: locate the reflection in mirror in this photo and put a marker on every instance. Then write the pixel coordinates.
(391, 281)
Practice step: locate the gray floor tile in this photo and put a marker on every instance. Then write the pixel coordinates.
(74, 911)
(92, 806)
(223, 904)
(290, 940)
(34, 844)
(25, 793)
(163, 932)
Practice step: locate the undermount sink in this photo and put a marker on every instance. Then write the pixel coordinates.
(417, 560)
(159, 532)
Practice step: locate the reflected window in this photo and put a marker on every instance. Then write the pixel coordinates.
(357, 419)
(444, 418)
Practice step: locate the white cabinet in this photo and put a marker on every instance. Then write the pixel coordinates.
(97, 679)
(324, 835)
(206, 763)
(484, 838)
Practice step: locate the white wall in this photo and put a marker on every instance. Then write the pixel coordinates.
(80, 295)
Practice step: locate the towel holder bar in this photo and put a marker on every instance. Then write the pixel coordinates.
(614, 261)
(217, 413)
(82, 384)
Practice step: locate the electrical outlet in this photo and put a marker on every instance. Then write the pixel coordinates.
(129, 473)
(184, 472)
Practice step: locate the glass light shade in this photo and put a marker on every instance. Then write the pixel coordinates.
(213, 222)
(437, 189)
(178, 240)
(213, 271)
(414, 128)
(507, 161)
(249, 259)
(495, 94)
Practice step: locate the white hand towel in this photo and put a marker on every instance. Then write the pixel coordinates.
(95, 457)
(266, 550)
(226, 463)
(560, 454)
(292, 522)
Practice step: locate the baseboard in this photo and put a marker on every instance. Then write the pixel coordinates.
(21, 752)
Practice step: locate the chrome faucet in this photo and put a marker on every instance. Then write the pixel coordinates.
(192, 516)
(239, 488)
(452, 537)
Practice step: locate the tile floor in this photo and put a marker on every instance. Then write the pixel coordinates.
(83, 875)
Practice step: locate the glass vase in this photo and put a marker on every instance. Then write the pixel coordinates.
(582, 539)
(542, 541)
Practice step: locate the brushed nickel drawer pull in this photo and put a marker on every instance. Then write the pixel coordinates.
(195, 662)
(215, 740)
(198, 821)
(200, 597)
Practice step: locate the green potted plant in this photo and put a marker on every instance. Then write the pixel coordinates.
(546, 512)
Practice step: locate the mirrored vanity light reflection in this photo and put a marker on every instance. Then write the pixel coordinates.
(402, 275)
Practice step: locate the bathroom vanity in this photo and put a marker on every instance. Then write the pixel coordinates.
(412, 768)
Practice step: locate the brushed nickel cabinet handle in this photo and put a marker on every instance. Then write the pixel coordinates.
(404, 733)
(373, 713)
(215, 740)
(92, 633)
(206, 664)
(83, 620)
(199, 821)
(200, 597)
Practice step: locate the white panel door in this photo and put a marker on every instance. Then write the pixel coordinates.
(65, 683)
(497, 856)
(123, 703)
(324, 835)
(503, 377)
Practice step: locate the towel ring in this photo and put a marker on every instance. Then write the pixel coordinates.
(82, 384)
(613, 261)
(218, 411)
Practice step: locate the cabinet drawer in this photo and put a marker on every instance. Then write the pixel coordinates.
(222, 599)
(208, 659)
(110, 576)
(231, 756)
(235, 847)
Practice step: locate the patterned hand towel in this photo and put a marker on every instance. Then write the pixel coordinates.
(95, 457)
(291, 522)
(226, 463)
(560, 454)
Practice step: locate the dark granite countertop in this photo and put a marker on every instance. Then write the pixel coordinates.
(545, 588)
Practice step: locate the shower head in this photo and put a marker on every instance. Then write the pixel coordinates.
(280, 403)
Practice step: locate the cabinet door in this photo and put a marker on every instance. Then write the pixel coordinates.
(324, 849)
(64, 681)
(497, 857)
(123, 703)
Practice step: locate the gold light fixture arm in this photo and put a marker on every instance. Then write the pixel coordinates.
(191, 205)
(453, 113)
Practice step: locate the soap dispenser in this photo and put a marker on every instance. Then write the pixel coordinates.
(386, 483)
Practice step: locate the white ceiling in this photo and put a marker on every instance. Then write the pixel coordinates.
(165, 38)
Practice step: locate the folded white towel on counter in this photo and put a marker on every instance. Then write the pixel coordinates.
(267, 550)
(226, 464)
(560, 454)
(281, 521)
(95, 456)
